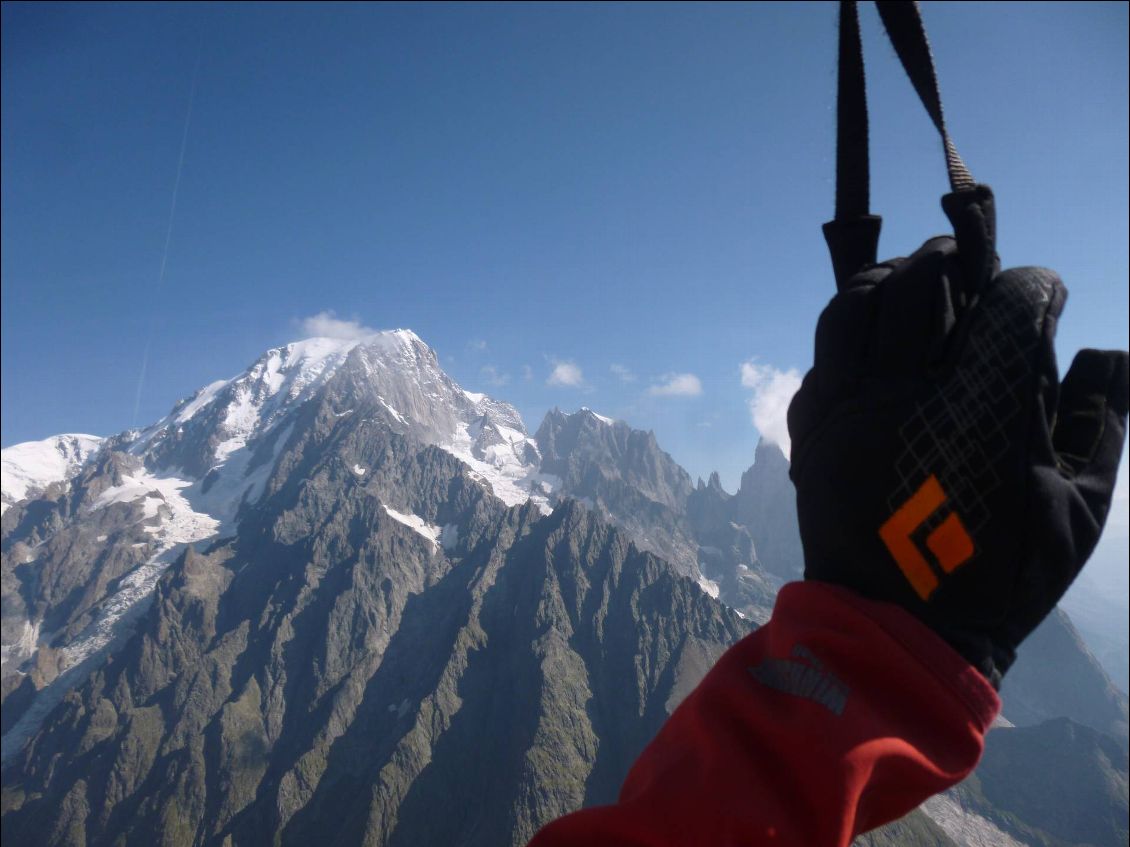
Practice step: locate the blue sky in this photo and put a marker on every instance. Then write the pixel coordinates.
(629, 196)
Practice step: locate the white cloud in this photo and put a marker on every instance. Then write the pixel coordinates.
(478, 345)
(567, 374)
(622, 373)
(327, 325)
(677, 385)
(769, 404)
(527, 373)
(493, 376)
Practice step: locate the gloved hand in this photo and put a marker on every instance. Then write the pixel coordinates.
(938, 461)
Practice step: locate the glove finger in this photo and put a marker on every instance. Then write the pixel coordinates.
(804, 415)
(853, 243)
(1087, 437)
(974, 218)
(1090, 425)
(1010, 342)
(842, 336)
(875, 274)
(916, 313)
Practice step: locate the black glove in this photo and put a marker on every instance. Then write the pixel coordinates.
(939, 463)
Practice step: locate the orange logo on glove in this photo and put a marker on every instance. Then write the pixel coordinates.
(949, 541)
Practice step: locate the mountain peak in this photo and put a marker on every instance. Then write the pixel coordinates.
(30, 467)
(593, 414)
(770, 455)
(231, 427)
(766, 502)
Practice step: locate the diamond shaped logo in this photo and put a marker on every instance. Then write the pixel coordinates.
(949, 542)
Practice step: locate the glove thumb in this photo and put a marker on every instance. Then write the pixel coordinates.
(1090, 424)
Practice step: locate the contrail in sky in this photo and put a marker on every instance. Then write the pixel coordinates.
(168, 237)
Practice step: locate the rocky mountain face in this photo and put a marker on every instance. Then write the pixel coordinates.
(1100, 614)
(766, 504)
(81, 559)
(287, 612)
(624, 475)
(333, 668)
(1056, 676)
(320, 595)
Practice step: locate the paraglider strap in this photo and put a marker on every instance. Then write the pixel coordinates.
(853, 236)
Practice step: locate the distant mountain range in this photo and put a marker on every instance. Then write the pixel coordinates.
(322, 599)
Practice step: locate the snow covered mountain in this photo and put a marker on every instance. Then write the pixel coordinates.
(393, 377)
(31, 468)
(189, 476)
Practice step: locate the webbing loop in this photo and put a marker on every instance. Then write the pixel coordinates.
(853, 236)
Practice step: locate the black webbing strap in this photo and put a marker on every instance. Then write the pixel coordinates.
(853, 172)
(903, 22)
(853, 236)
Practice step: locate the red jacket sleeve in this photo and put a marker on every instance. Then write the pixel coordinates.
(837, 716)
